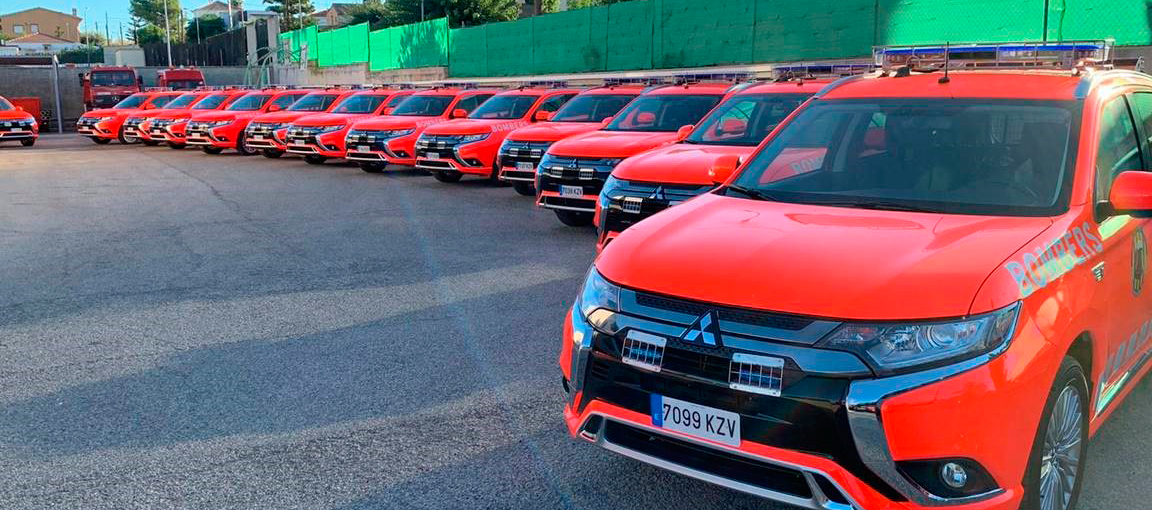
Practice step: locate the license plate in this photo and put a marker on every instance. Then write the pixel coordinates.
(257, 137)
(525, 166)
(696, 420)
(363, 148)
(433, 155)
(571, 191)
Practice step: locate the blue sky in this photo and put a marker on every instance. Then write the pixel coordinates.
(117, 10)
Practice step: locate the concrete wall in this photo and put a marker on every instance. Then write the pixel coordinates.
(212, 75)
(355, 74)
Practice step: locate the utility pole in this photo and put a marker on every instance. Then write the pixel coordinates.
(121, 32)
(229, 14)
(421, 10)
(107, 32)
(167, 33)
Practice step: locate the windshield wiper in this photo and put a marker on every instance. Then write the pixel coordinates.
(873, 205)
(750, 192)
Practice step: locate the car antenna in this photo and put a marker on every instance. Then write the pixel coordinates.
(947, 53)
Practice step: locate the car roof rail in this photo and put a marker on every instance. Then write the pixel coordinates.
(818, 70)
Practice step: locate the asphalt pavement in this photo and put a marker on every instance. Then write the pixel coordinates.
(180, 331)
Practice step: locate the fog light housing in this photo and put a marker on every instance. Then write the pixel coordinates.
(949, 478)
(332, 147)
(401, 154)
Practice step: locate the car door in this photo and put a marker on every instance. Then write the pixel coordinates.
(1120, 270)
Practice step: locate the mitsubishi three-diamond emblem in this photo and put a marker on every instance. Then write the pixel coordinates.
(705, 331)
(658, 194)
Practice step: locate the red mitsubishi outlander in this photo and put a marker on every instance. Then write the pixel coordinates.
(320, 137)
(17, 124)
(268, 133)
(142, 121)
(572, 173)
(939, 312)
(469, 146)
(107, 124)
(652, 181)
(524, 147)
(171, 125)
(375, 142)
(215, 131)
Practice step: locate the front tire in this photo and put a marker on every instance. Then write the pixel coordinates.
(447, 175)
(315, 159)
(272, 153)
(524, 188)
(100, 141)
(150, 143)
(373, 168)
(1056, 465)
(176, 146)
(212, 150)
(242, 147)
(28, 143)
(574, 218)
(125, 139)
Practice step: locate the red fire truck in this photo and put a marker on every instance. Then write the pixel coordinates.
(105, 86)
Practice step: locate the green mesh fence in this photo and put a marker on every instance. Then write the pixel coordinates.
(357, 37)
(509, 47)
(421, 44)
(1127, 21)
(468, 53)
(692, 33)
(920, 22)
(626, 45)
(325, 56)
(563, 43)
(311, 39)
(812, 29)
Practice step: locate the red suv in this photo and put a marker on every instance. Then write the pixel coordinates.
(469, 146)
(141, 123)
(170, 126)
(524, 147)
(268, 133)
(376, 142)
(214, 132)
(652, 181)
(17, 124)
(320, 137)
(937, 312)
(107, 124)
(572, 173)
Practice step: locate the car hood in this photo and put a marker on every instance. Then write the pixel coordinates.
(108, 112)
(610, 144)
(213, 116)
(146, 114)
(15, 115)
(398, 122)
(816, 260)
(551, 131)
(676, 164)
(281, 117)
(330, 119)
(474, 126)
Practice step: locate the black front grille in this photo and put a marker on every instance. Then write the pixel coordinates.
(17, 125)
(428, 142)
(515, 153)
(758, 318)
(587, 173)
(373, 140)
(633, 201)
(133, 122)
(709, 460)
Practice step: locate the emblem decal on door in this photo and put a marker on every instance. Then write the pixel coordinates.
(1139, 260)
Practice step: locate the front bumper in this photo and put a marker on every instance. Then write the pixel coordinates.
(446, 152)
(107, 129)
(17, 133)
(330, 145)
(370, 148)
(571, 184)
(223, 137)
(856, 437)
(259, 137)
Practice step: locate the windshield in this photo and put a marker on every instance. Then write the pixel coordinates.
(161, 101)
(131, 101)
(360, 104)
(745, 119)
(250, 103)
(211, 102)
(663, 112)
(185, 84)
(113, 79)
(314, 103)
(182, 101)
(1005, 158)
(424, 106)
(592, 107)
(504, 107)
(5, 105)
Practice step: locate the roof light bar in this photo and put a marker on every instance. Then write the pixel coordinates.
(811, 70)
(1051, 55)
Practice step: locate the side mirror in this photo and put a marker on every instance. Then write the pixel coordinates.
(148, 106)
(387, 111)
(458, 113)
(542, 116)
(606, 121)
(683, 132)
(1132, 193)
(140, 80)
(723, 168)
(274, 108)
(19, 108)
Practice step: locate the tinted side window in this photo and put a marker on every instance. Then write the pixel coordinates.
(471, 102)
(1118, 148)
(555, 102)
(1142, 110)
(286, 100)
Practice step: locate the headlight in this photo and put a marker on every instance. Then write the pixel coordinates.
(611, 185)
(599, 300)
(892, 348)
(328, 129)
(397, 133)
(218, 123)
(473, 138)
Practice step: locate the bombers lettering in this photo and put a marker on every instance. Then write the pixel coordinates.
(1054, 259)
